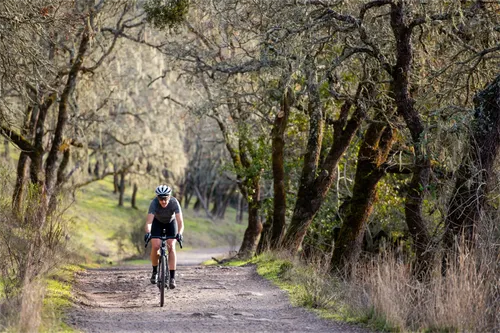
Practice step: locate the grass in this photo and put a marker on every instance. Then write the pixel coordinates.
(277, 270)
(57, 299)
(104, 232)
(386, 297)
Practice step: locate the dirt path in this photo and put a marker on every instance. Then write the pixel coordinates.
(207, 299)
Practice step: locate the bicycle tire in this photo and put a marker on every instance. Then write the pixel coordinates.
(167, 275)
(162, 280)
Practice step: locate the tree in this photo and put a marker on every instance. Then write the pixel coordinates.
(474, 175)
(371, 167)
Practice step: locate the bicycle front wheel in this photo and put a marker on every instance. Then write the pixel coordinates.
(162, 279)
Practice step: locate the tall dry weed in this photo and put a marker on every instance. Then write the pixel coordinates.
(391, 291)
(461, 301)
(458, 300)
(27, 255)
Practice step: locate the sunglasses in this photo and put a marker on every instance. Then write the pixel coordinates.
(163, 198)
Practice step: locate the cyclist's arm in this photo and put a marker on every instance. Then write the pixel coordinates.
(149, 221)
(180, 222)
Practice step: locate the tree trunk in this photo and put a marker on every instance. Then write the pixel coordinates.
(22, 169)
(216, 202)
(370, 168)
(248, 179)
(278, 151)
(265, 236)
(63, 114)
(116, 179)
(221, 212)
(24, 162)
(254, 228)
(197, 205)
(187, 199)
(134, 196)
(96, 169)
(61, 178)
(240, 209)
(475, 172)
(316, 180)
(121, 189)
(202, 201)
(400, 72)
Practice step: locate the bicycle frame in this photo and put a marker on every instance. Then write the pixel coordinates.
(164, 273)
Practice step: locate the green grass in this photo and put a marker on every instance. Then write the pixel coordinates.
(102, 229)
(291, 277)
(58, 298)
(104, 232)
(275, 270)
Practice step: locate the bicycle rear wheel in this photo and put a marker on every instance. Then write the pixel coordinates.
(162, 281)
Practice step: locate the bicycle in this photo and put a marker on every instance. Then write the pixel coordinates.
(164, 273)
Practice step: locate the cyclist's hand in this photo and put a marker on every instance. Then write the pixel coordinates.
(147, 236)
(179, 237)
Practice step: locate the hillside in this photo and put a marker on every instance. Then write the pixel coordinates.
(104, 232)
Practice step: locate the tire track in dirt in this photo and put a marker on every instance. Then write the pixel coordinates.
(207, 299)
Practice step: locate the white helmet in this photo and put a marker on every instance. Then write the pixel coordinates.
(163, 190)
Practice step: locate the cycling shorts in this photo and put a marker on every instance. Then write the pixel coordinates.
(157, 227)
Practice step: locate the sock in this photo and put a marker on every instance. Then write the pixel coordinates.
(172, 274)
(155, 269)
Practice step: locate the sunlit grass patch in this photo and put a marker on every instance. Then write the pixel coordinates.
(307, 286)
(100, 228)
(58, 298)
(209, 262)
(106, 233)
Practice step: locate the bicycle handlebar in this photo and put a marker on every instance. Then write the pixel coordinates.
(163, 238)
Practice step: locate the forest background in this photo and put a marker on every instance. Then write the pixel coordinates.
(360, 138)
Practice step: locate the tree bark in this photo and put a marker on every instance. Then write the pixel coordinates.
(248, 179)
(278, 222)
(254, 228)
(197, 205)
(61, 178)
(22, 170)
(216, 198)
(116, 179)
(221, 212)
(121, 188)
(400, 73)
(316, 180)
(23, 164)
(370, 169)
(474, 174)
(134, 196)
(63, 114)
(240, 209)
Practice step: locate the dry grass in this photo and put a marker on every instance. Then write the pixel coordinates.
(462, 301)
(384, 293)
(27, 255)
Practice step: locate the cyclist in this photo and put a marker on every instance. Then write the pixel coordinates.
(164, 213)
